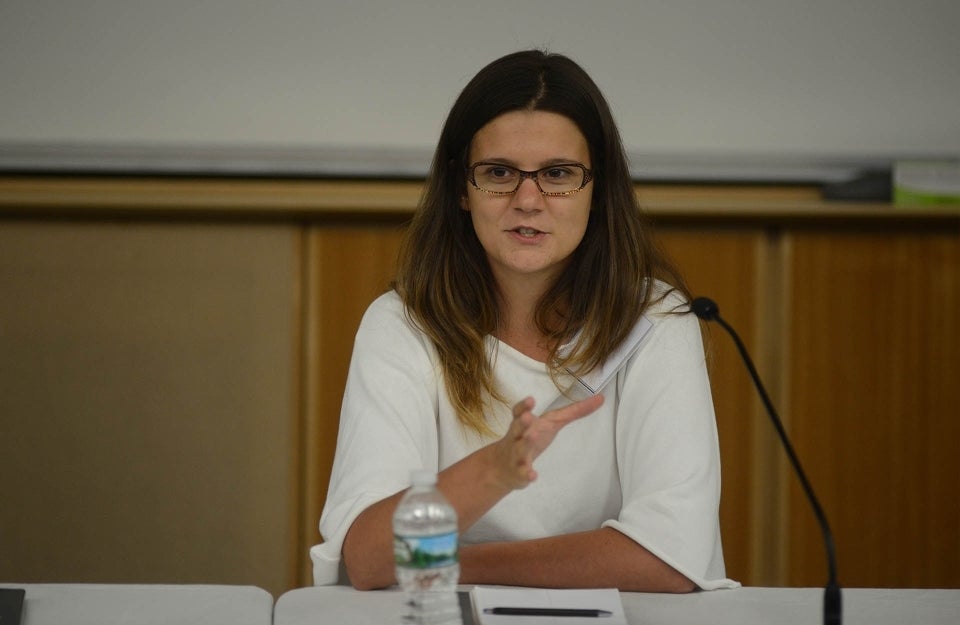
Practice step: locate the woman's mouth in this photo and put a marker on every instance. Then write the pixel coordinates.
(527, 232)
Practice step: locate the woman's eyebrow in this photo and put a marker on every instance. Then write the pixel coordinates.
(547, 163)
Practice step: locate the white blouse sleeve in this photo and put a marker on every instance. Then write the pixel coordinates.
(668, 451)
(387, 425)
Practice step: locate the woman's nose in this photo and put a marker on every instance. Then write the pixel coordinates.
(528, 197)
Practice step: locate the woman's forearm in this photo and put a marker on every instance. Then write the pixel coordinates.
(602, 558)
(469, 485)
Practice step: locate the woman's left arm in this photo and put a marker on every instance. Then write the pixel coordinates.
(668, 456)
(601, 558)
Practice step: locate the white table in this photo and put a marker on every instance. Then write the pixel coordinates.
(109, 604)
(341, 605)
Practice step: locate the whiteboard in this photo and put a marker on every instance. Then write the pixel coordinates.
(362, 87)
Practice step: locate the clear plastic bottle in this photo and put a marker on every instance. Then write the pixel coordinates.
(425, 552)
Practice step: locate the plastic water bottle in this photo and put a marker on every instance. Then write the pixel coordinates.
(425, 552)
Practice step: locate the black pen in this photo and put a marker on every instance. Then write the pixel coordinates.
(548, 612)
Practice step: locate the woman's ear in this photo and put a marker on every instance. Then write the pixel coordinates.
(464, 204)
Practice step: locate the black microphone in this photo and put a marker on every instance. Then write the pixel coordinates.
(707, 309)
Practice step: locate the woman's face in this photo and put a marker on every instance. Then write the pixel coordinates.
(527, 235)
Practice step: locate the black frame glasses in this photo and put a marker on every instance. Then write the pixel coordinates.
(534, 175)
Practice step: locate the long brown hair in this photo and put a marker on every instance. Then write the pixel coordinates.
(444, 277)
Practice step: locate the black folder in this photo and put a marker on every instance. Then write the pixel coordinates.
(11, 605)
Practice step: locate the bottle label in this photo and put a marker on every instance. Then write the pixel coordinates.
(425, 552)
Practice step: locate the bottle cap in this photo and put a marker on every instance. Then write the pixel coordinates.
(422, 477)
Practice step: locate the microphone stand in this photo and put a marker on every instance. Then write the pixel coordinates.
(706, 309)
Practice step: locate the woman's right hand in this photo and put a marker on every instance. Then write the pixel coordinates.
(473, 485)
(529, 435)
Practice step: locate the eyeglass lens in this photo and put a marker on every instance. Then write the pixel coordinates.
(497, 178)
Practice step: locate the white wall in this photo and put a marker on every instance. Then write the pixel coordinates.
(744, 79)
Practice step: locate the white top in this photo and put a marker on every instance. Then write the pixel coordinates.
(646, 463)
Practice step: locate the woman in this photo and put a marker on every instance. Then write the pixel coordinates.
(532, 353)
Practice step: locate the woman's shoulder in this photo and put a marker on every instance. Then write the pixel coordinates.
(386, 306)
(666, 299)
(387, 311)
(386, 317)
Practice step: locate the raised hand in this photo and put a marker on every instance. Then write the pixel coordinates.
(529, 435)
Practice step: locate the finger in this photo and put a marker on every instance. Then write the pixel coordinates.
(576, 410)
(524, 405)
(522, 418)
(520, 424)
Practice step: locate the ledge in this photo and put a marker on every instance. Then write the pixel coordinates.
(225, 198)
(412, 162)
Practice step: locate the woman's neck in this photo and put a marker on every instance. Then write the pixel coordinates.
(518, 326)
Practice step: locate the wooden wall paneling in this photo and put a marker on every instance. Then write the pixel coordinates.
(771, 464)
(875, 399)
(731, 267)
(263, 284)
(350, 265)
(146, 404)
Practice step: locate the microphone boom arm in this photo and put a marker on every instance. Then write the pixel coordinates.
(708, 310)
